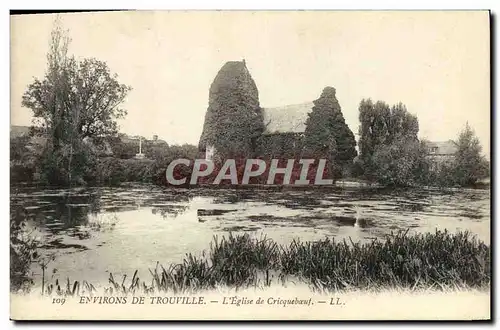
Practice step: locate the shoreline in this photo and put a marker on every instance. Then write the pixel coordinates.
(340, 184)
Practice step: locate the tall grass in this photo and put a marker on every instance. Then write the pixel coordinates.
(439, 260)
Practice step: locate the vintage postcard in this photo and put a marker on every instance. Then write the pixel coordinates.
(239, 165)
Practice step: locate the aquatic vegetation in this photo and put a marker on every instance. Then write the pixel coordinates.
(439, 260)
(102, 222)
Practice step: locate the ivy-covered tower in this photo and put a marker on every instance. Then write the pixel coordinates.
(233, 121)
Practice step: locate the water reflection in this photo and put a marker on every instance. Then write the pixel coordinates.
(123, 229)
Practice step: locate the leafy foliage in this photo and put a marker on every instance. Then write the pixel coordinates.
(391, 153)
(389, 148)
(280, 146)
(233, 121)
(327, 135)
(401, 163)
(23, 251)
(382, 124)
(319, 135)
(75, 100)
(469, 165)
(112, 171)
(23, 159)
(88, 100)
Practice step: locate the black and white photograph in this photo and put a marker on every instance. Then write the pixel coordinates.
(250, 165)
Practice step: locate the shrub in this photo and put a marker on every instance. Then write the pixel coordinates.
(400, 163)
(23, 252)
(113, 171)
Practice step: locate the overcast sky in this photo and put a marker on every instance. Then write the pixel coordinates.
(436, 63)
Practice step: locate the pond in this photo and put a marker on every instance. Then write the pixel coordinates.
(94, 231)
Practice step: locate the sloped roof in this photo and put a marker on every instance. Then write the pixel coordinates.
(443, 147)
(286, 119)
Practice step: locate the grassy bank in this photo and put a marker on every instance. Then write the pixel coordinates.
(439, 260)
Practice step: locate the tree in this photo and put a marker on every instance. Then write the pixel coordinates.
(47, 97)
(372, 131)
(327, 134)
(383, 128)
(74, 100)
(469, 165)
(401, 124)
(402, 162)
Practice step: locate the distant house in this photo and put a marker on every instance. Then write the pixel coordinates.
(442, 150)
(134, 139)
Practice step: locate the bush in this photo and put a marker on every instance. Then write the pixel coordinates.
(21, 173)
(22, 160)
(113, 171)
(23, 252)
(401, 163)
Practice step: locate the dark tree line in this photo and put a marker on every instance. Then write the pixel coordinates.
(392, 154)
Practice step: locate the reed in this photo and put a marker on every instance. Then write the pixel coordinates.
(439, 260)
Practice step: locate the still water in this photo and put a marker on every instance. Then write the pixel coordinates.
(92, 232)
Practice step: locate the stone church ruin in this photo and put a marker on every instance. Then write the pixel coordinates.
(237, 126)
